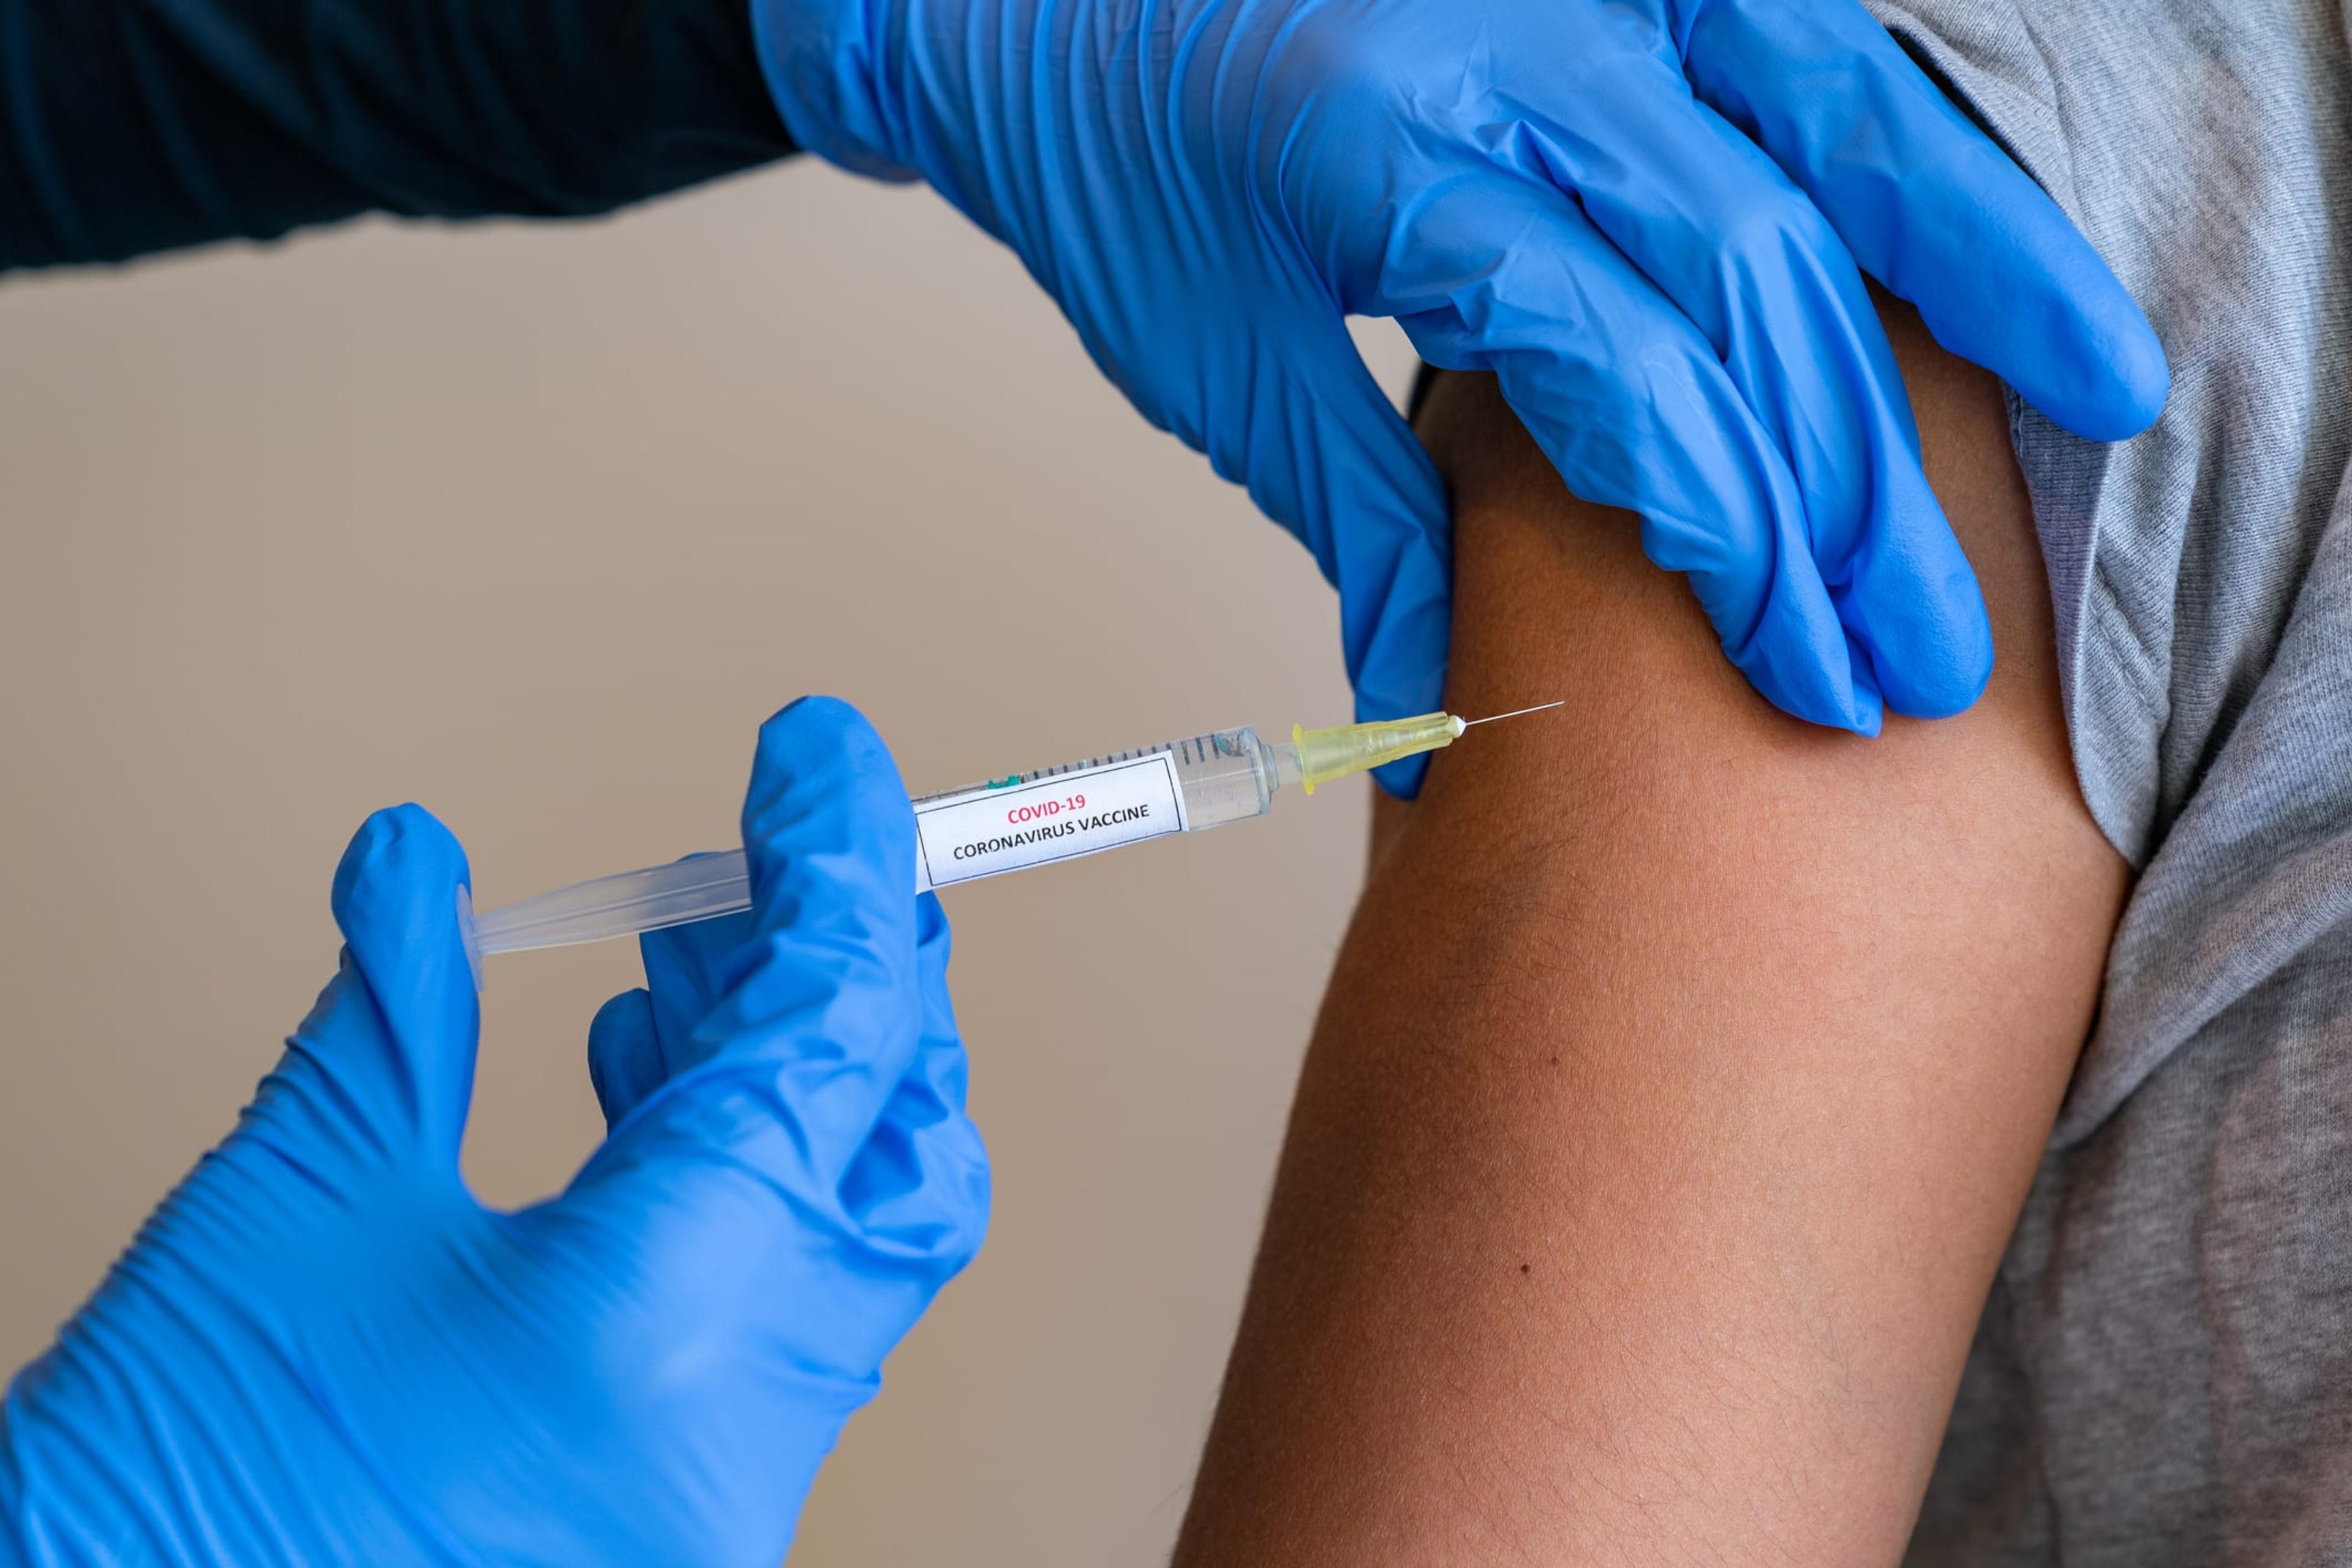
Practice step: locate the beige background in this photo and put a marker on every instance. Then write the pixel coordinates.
(534, 524)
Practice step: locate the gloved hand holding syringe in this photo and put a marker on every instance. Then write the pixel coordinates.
(1007, 825)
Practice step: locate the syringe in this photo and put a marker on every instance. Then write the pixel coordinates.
(1007, 825)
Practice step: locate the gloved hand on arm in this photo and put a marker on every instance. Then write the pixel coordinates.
(1650, 218)
(321, 1349)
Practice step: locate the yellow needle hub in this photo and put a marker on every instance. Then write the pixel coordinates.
(1344, 749)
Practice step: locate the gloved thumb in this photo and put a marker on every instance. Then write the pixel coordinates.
(819, 1006)
(1327, 455)
(383, 1066)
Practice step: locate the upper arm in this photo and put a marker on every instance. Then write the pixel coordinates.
(1681, 1078)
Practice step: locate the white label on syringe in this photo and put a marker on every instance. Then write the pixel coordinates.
(984, 831)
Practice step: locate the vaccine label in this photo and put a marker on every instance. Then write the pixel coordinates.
(982, 832)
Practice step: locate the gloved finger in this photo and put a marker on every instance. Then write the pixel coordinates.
(917, 1197)
(638, 1036)
(1931, 207)
(1634, 409)
(1752, 263)
(384, 1064)
(687, 973)
(625, 1055)
(820, 1012)
(919, 1187)
(1326, 454)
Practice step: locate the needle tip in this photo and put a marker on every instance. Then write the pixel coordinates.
(1514, 712)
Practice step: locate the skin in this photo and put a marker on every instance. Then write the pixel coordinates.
(1681, 1078)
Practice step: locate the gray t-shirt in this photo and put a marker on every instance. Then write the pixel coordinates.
(2164, 1371)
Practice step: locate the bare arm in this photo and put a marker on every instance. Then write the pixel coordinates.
(1681, 1078)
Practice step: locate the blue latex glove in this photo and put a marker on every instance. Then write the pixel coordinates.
(1644, 216)
(323, 1350)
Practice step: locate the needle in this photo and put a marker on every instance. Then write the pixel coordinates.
(1514, 713)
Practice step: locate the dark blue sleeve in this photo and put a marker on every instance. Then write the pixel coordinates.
(135, 125)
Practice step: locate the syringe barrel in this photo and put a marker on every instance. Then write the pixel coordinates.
(1081, 809)
(1225, 775)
